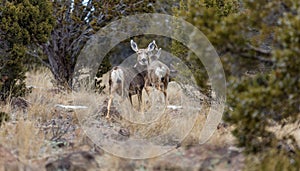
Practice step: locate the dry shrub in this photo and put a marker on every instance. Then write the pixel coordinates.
(275, 160)
(23, 138)
(23, 134)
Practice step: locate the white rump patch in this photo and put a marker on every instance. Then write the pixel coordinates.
(160, 72)
(117, 75)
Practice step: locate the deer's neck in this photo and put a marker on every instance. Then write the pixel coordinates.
(142, 69)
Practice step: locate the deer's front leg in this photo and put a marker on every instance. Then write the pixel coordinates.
(166, 98)
(108, 106)
(147, 84)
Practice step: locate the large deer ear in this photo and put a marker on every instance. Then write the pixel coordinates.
(151, 46)
(134, 46)
(158, 53)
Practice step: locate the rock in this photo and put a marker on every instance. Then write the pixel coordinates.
(124, 132)
(75, 161)
(10, 162)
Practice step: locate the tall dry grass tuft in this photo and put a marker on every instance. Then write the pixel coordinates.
(22, 138)
(24, 134)
(21, 134)
(44, 95)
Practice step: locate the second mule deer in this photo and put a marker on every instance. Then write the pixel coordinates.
(158, 74)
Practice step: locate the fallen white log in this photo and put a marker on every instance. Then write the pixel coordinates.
(70, 107)
(173, 107)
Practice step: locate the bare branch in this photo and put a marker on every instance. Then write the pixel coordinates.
(259, 50)
(38, 57)
(261, 59)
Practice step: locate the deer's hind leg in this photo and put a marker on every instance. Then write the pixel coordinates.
(165, 88)
(140, 100)
(146, 85)
(166, 97)
(130, 99)
(110, 99)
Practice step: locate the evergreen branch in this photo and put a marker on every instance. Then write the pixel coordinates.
(256, 57)
(259, 50)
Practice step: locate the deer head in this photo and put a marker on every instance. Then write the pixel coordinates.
(155, 56)
(143, 54)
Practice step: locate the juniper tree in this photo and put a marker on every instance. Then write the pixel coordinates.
(23, 25)
(75, 22)
(258, 43)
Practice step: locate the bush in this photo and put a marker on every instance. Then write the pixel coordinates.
(260, 38)
(3, 117)
(23, 25)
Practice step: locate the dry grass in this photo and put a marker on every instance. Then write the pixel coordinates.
(289, 129)
(23, 137)
(129, 132)
(24, 134)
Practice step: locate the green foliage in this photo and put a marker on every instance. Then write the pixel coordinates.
(241, 36)
(260, 38)
(223, 8)
(194, 64)
(208, 16)
(252, 112)
(26, 22)
(23, 24)
(267, 98)
(274, 160)
(14, 85)
(3, 117)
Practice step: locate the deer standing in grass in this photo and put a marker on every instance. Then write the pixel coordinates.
(128, 81)
(158, 74)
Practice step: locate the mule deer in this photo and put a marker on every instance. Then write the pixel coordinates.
(158, 74)
(128, 81)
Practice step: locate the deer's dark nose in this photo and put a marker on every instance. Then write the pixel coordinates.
(144, 60)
